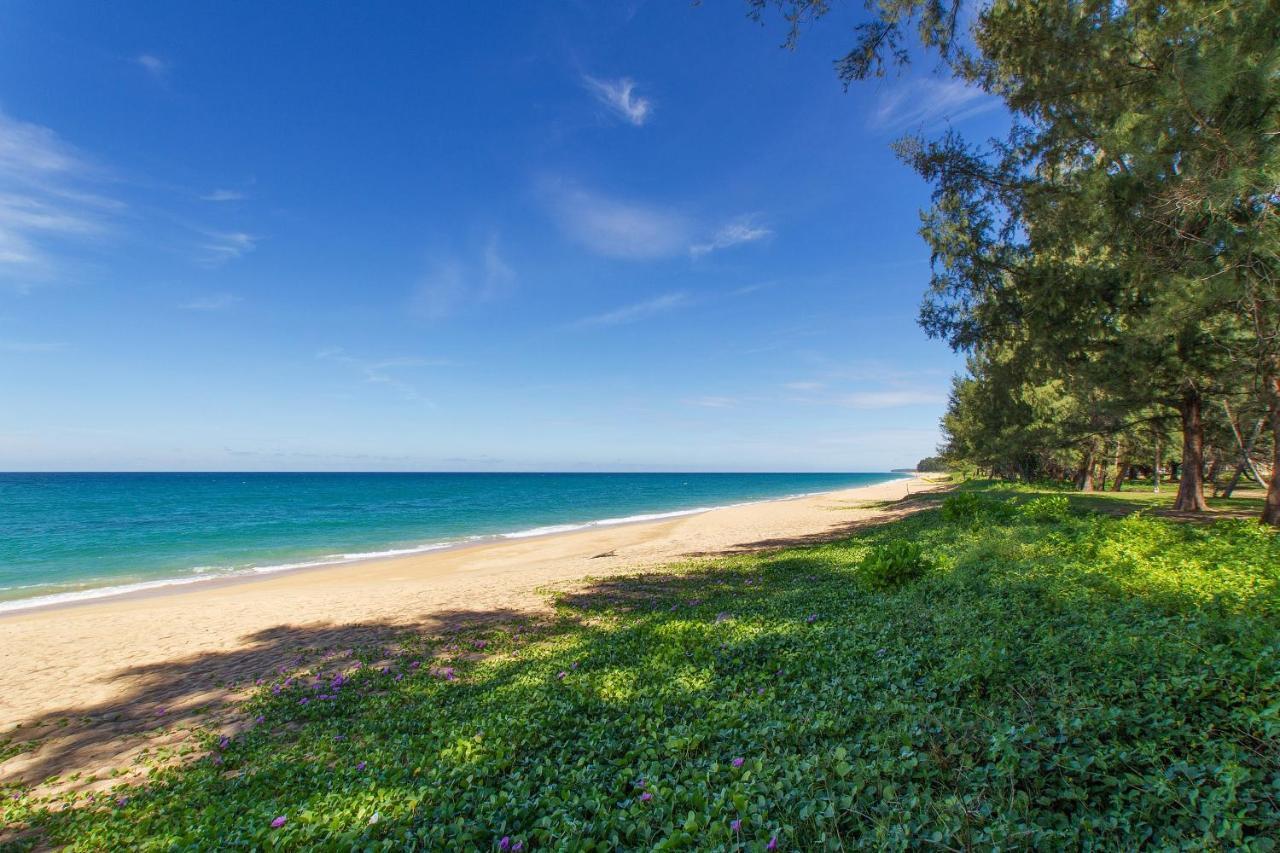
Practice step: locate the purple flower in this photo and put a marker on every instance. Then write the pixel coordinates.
(480, 644)
(773, 843)
(813, 617)
(646, 797)
(278, 822)
(504, 843)
(562, 675)
(415, 664)
(304, 700)
(224, 742)
(121, 801)
(736, 825)
(360, 766)
(259, 719)
(517, 847)
(159, 711)
(737, 762)
(276, 689)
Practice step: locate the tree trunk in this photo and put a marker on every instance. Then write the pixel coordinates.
(1246, 460)
(1155, 469)
(1211, 477)
(1191, 484)
(1084, 480)
(1271, 509)
(1122, 472)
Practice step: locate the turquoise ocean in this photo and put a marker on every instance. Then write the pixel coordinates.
(70, 537)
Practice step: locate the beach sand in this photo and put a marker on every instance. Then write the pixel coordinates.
(94, 684)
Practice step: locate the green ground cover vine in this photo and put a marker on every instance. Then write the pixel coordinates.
(1053, 678)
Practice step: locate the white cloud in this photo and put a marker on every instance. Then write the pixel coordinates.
(927, 101)
(32, 346)
(441, 291)
(153, 65)
(713, 402)
(890, 399)
(222, 246)
(740, 231)
(497, 276)
(50, 208)
(616, 228)
(381, 371)
(635, 312)
(619, 96)
(451, 282)
(224, 195)
(213, 302)
(42, 204)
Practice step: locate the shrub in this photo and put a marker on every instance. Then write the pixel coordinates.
(1046, 509)
(895, 564)
(966, 507)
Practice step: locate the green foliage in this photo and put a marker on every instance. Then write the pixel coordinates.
(931, 465)
(1102, 682)
(968, 507)
(1046, 509)
(895, 564)
(962, 507)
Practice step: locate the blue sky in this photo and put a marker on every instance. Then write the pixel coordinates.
(391, 237)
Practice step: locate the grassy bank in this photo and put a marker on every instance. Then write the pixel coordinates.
(1007, 669)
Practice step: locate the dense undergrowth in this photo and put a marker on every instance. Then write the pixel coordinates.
(1036, 676)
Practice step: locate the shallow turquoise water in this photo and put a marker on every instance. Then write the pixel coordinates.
(80, 535)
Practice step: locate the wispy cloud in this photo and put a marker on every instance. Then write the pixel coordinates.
(52, 206)
(637, 230)
(743, 230)
(153, 65)
(620, 98)
(452, 282)
(890, 399)
(382, 371)
(213, 302)
(32, 346)
(224, 195)
(614, 227)
(928, 101)
(222, 246)
(635, 312)
(713, 402)
(44, 202)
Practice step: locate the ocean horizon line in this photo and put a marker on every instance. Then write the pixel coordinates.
(474, 529)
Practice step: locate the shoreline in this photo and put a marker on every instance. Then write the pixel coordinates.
(177, 584)
(102, 684)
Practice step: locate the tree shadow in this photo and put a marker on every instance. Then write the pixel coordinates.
(890, 511)
(763, 679)
(94, 747)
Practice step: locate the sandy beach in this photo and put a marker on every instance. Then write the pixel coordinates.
(135, 671)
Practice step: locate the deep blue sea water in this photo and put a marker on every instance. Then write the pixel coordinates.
(73, 536)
